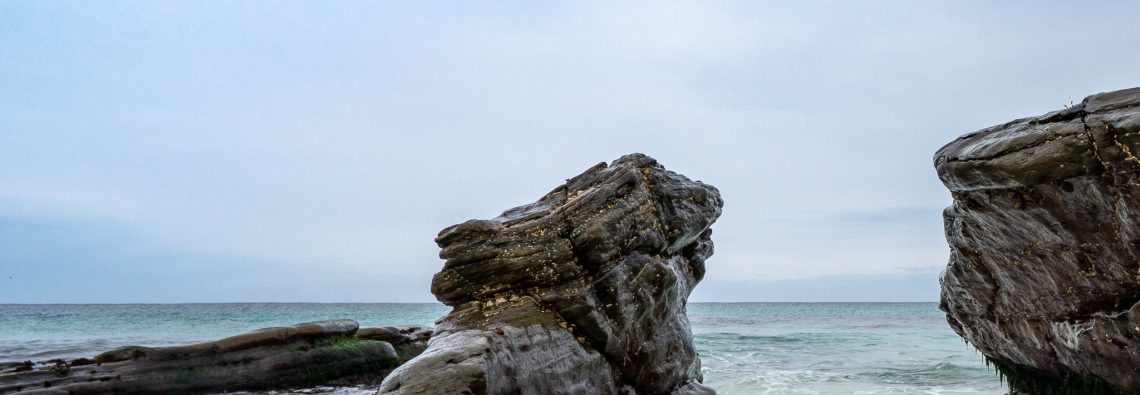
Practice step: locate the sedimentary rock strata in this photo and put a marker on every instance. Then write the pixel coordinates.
(1044, 231)
(581, 292)
(315, 353)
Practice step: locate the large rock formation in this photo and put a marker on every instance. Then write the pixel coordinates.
(315, 353)
(1044, 232)
(581, 292)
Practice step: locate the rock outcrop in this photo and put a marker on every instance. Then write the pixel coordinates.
(581, 292)
(315, 353)
(1044, 232)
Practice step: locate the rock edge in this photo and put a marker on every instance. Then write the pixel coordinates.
(1044, 232)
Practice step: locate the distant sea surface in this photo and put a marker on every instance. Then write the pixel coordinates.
(745, 348)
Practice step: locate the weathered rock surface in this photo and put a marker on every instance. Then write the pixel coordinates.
(326, 352)
(581, 292)
(1044, 231)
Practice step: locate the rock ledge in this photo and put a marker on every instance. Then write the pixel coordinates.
(314, 353)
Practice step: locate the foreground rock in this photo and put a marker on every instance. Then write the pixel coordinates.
(326, 352)
(1044, 273)
(581, 292)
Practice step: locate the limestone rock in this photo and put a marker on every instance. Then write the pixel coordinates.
(583, 291)
(1044, 232)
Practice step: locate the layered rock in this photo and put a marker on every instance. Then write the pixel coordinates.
(581, 292)
(315, 353)
(1044, 232)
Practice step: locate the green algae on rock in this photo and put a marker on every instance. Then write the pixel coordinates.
(1044, 232)
(583, 291)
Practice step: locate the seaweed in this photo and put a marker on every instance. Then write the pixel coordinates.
(1025, 380)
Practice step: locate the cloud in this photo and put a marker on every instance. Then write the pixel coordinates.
(910, 286)
(880, 242)
(61, 260)
(311, 138)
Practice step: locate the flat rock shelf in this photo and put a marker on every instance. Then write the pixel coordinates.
(314, 353)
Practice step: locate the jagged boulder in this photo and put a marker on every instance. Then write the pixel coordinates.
(581, 292)
(314, 353)
(1044, 232)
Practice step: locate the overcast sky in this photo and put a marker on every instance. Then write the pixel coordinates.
(310, 151)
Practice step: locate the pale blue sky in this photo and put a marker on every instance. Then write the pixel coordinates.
(309, 151)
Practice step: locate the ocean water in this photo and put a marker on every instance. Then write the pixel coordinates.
(745, 348)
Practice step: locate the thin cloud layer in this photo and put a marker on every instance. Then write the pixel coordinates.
(269, 152)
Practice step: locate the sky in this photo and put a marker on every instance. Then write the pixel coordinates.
(167, 152)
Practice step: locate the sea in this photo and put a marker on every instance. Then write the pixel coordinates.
(745, 348)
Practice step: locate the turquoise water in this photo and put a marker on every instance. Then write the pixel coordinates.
(746, 348)
(835, 348)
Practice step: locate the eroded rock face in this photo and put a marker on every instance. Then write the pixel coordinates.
(1044, 275)
(581, 292)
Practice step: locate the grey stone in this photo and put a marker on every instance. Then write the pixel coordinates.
(583, 291)
(1044, 232)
